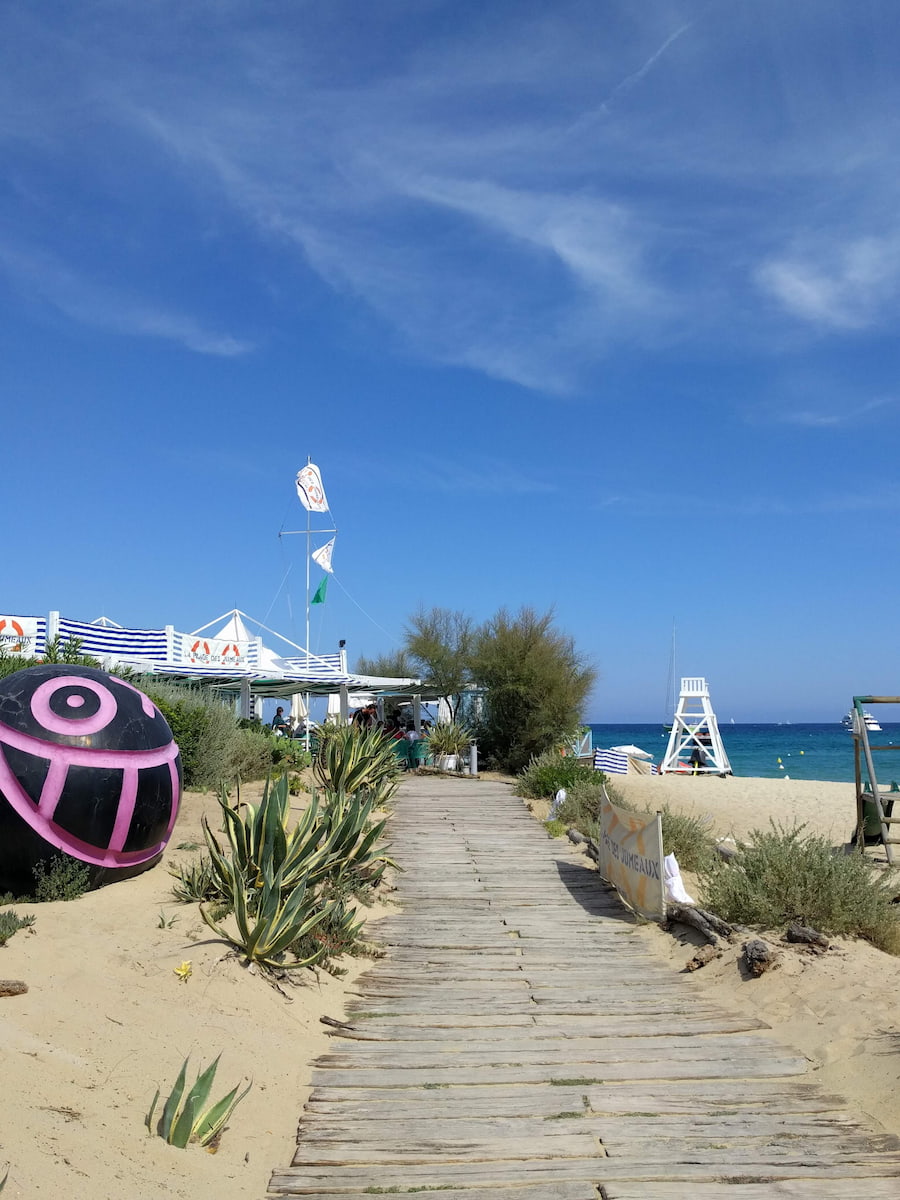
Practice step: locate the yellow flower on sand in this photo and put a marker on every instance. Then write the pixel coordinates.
(184, 971)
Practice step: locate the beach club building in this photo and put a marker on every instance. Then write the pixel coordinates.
(230, 661)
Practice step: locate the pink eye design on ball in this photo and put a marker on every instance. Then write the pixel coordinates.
(67, 723)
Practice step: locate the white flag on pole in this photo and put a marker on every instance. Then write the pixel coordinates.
(310, 489)
(322, 556)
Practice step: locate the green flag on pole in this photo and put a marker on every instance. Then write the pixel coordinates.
(319, 597)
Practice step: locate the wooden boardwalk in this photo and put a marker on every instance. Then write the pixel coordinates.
(517, 1042)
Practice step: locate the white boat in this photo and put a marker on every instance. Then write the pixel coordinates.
(871, 722)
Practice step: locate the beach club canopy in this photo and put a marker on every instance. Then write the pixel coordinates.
(230, 659)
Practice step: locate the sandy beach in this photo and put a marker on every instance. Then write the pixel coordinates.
(106, 1019)
(737, 805)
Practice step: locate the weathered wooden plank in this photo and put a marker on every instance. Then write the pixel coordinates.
(630, 1101)
(542, 1072)
(648, 1155)
(301, 1180)
(844, 1188)
(561, 1189)
(685, 1025)
(389, 1128)
(525, 1049)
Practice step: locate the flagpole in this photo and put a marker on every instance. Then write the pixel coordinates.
(308, 552)
(317, 501)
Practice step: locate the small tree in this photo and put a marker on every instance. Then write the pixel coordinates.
(440, 642)
(388, 666)
(535, 685)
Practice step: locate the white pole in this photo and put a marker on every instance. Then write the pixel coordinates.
(308, 554)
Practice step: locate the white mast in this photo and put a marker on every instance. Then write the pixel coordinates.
(321, 506)
(695, 744)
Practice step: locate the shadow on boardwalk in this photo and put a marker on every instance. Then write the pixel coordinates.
(518, 1043)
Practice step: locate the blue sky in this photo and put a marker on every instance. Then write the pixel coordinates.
(591, 305)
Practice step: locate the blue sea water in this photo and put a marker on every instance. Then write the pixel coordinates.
(822, 752)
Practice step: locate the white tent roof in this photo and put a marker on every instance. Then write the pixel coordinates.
(234, 630)
(632, 751)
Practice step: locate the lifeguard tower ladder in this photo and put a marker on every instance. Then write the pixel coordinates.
(695, 744)
(874, 800)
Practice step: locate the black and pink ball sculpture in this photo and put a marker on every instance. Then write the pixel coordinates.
(88, 769)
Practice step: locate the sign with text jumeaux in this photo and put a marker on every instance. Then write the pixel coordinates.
(631, 858)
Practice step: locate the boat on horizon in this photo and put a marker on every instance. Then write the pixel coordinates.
(871, 721)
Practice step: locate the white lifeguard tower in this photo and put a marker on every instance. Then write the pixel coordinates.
(695, 744)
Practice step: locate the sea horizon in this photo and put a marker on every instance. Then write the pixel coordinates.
(820, 751)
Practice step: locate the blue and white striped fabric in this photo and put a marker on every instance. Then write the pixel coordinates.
(125, 645)
(40, 642)
(323, 668)
(613, 762)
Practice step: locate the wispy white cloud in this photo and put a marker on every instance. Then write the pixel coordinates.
(849, 413)
(479, 475)
(884, 497)
(107, 307)
(837, 284)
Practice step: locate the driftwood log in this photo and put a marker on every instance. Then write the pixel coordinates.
(759, 956)
(13, 987)
(706, 923)
(704, 955)
(578, 839)
(807, 936)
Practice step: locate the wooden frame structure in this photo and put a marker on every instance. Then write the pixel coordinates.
(877, 798)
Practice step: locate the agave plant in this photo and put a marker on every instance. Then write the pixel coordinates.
(195, 881)
(259, 836)
(186, 1117)
(327, 840)
(449, 737)
(266, 929)
(354, 842)
(352, 760)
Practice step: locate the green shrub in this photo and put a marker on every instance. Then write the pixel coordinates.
(63, 879)
(214, 744)
(290, 753)
(548, 772)
(250, 754)
(581, 807)
(11, 923)
(57, 651)
(205, 730)
(688, 837)
(195, 881)
(783, 876)
(337, 934)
